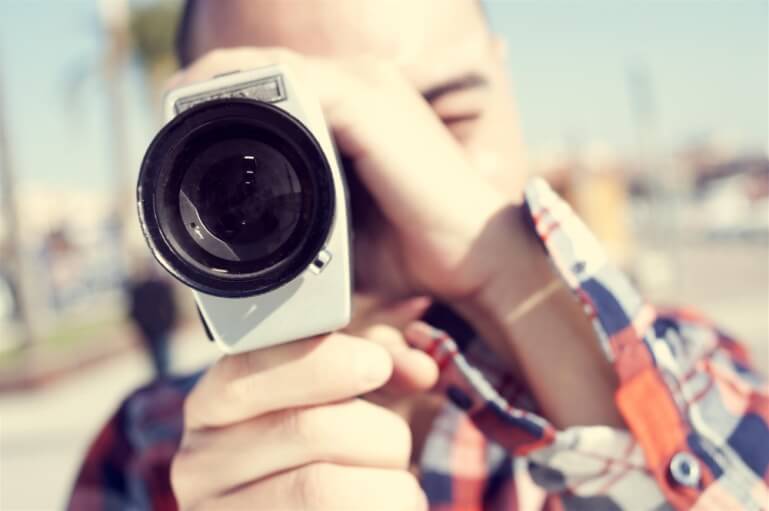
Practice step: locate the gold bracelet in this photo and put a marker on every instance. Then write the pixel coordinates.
(535, 300)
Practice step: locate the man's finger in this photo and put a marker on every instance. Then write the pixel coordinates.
(222, 61)
(400, 313)
(365, 103)
(325, 486)
(301, 373)
(252, 450)
(413, 370)
(370, 310)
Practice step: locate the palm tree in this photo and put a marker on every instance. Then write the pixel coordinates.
(115, 17)
(152, 30)
(144, 31)
(133, 32)
(12, 259)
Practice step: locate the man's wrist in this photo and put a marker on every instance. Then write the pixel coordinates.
(517, 269)
(522, 271)
(529, 317)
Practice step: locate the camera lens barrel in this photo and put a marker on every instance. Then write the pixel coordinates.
(235, 197)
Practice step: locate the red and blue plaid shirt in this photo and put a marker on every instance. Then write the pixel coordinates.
(696, 411)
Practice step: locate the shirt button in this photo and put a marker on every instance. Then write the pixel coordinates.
(685, 469)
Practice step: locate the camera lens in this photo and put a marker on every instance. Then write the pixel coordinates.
(241, 199)
(235, 197)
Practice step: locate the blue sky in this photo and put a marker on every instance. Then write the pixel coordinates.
(706, 62)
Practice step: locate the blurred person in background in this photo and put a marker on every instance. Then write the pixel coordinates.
(152, 309)
(470, 377)
(8, 306)
(63, 262)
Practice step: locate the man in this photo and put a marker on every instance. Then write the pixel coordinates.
(152, 309)
(604, 402)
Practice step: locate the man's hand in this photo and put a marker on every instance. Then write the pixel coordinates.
(442, 217)
(450, 233)
(282, 428)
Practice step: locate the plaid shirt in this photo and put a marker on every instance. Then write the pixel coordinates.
(697, 414)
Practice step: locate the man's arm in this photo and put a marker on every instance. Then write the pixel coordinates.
(529, 313)
(693, 416)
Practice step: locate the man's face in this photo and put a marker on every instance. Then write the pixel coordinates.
(443, 47)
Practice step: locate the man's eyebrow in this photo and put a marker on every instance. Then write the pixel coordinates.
(463, 82)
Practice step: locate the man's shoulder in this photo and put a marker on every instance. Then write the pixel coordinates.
(153, 413)
(163, 389)
(128, 463)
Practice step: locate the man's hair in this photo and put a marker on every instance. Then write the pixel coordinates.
(183, 40)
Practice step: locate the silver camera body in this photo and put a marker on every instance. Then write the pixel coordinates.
(242, 198)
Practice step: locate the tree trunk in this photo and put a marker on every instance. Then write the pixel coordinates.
(11, 251)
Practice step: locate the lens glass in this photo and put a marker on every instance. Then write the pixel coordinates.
(241, 200)
(236, 197)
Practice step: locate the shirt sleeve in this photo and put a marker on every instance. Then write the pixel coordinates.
(102, 482)
(127, 466)
(697, 412)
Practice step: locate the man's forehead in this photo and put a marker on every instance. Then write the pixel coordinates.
(423, 36)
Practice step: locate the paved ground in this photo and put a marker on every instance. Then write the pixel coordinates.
(43, 434)
(728, 281)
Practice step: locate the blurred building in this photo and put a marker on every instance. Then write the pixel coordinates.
(729, 192)
(596, 184)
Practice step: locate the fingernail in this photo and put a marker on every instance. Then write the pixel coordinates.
(420, 302)
(418, 333)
